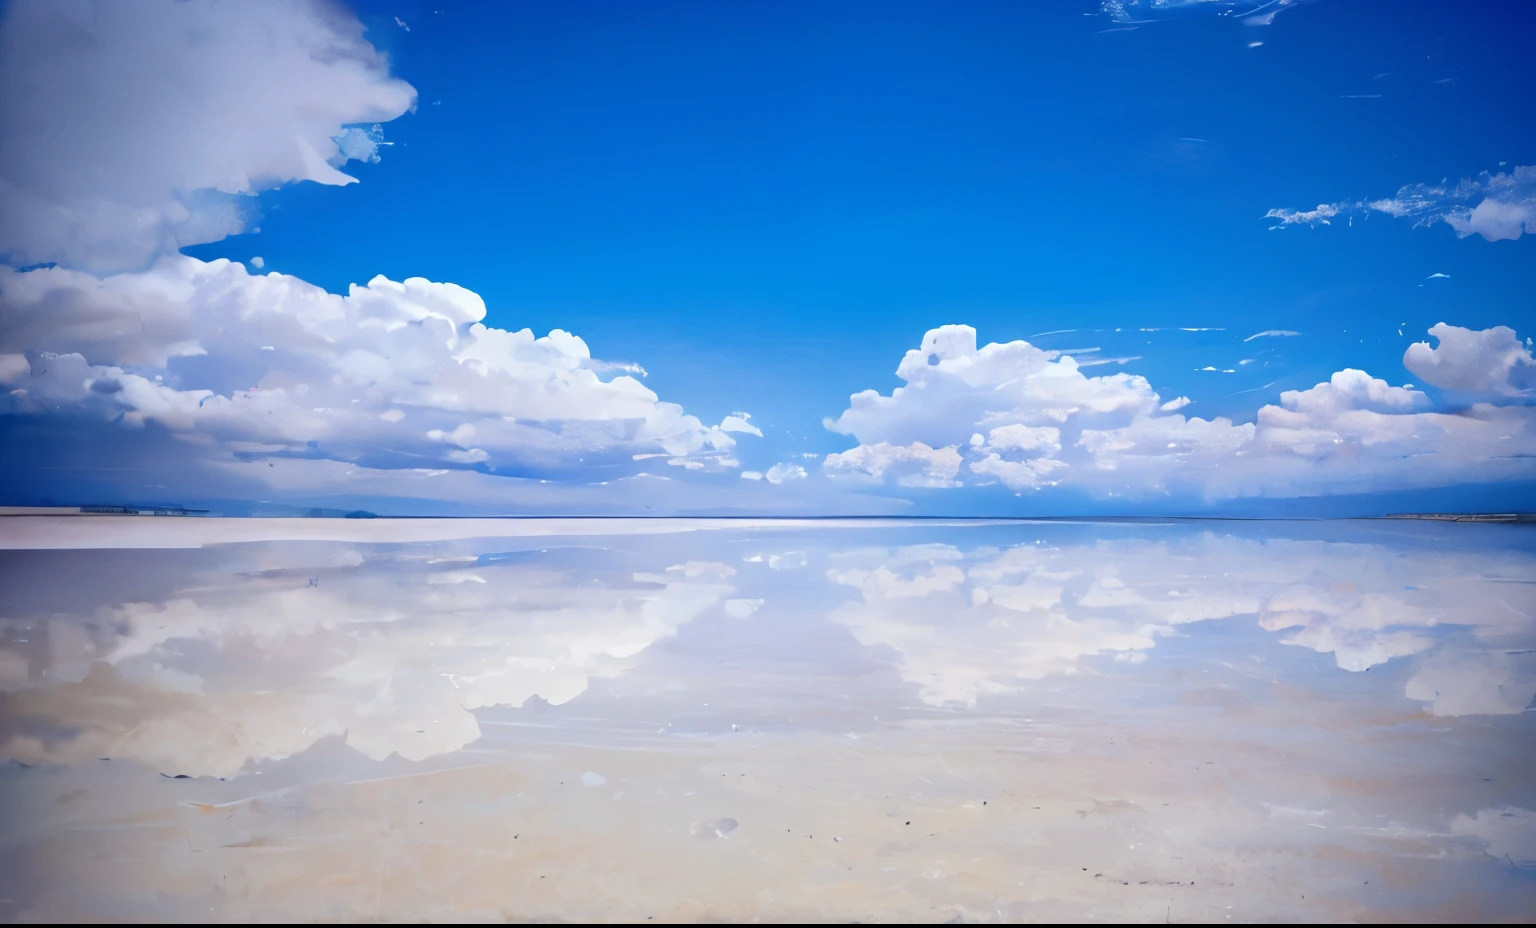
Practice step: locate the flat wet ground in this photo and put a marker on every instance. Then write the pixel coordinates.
(693, 720)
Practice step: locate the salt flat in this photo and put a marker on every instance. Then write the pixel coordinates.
(681, 720)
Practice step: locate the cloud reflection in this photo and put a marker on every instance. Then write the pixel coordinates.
(392, 651)
(269, 647)
(966, 624)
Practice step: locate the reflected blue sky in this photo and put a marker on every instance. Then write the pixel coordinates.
(1225, 711)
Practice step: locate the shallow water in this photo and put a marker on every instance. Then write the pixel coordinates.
(690, 720)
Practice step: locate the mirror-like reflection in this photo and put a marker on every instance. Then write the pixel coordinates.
(690, 721)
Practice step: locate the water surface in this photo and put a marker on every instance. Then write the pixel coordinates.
(684, 720)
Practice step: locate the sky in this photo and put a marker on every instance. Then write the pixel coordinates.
(1199, 257)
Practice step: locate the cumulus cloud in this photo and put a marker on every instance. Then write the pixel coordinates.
(784, 473)
(1498, 206)
(130, 130)
(392, 374)
(914, 465)
(1030, 418)
(1492, 361)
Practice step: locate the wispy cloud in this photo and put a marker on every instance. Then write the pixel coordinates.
(1498, 206)
(1133, 13)
(1271, 333)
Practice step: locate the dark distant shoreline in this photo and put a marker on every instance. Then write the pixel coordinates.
(1502, 517)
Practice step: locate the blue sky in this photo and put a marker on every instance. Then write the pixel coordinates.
(766, 205)
(686, 185)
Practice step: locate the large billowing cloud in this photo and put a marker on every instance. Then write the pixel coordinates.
(128, 130)
(1496, 206)
(1028, 418)
(391, 375)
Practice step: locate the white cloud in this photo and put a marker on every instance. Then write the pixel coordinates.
(1271, 333)
(1030, 418)
(392, 374)
(738, 423)
(783, 473)
(1492, 361)
(1498, 206)
(1312, 217)
(914, 465)
(1140, 12)
(129, 130)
